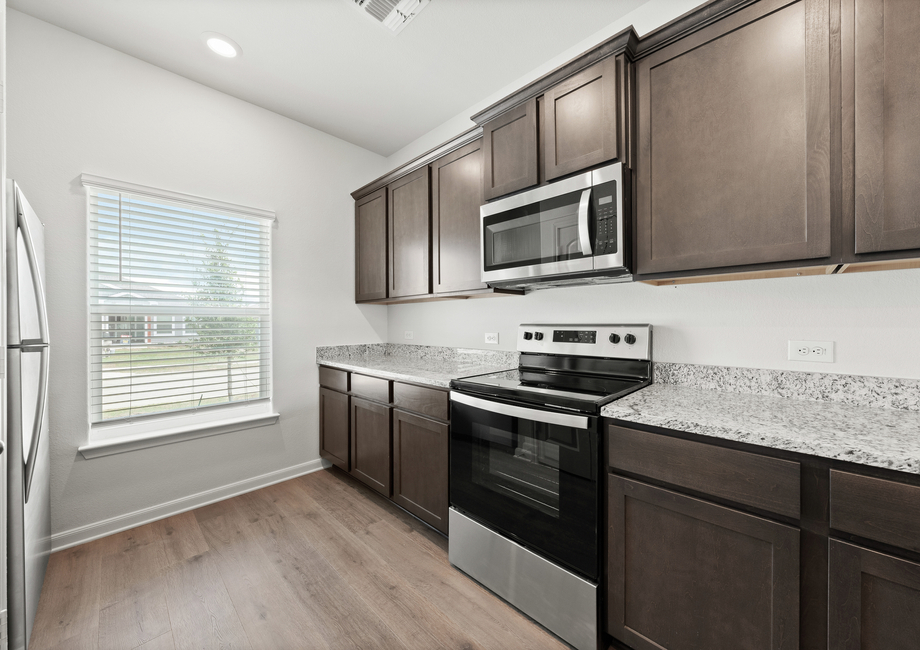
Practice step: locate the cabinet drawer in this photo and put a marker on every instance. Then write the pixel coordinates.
(877, 509)
(427, 401)
(766, 483)
(333, 378)
(371, 387)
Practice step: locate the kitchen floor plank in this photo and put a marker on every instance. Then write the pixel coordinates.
(181, 536)
(270, 611)
(319, 561)
(200, 608)
(346, 621)
(68, 610)
(417, 623)
(162, 642)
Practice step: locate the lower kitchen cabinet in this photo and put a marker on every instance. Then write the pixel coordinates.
(334, 415)
(874, 600)
(685, 574)
(371, 444)
(420, 467)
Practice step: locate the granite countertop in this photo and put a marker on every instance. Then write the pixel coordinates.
(429, 365)
(876, 436)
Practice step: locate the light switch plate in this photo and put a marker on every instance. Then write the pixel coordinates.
(815, 351)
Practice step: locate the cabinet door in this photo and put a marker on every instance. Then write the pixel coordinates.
(456, 194)
(409, 241)
(420, 467)
(370, 444)
(509, 146)
(734, 142)
(581, 120)
(333, 427)
(881, 42)
(685, 574)
(371, 246)
(874, 600)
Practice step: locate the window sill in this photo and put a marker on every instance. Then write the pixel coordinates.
(133, 442)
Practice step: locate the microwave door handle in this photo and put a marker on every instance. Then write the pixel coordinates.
(584, 233)
(534, 415)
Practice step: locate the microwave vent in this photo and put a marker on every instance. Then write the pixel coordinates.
(392, 14)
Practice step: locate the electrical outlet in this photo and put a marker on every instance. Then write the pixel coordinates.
(408, 335)
(818, 351)
(492, 338)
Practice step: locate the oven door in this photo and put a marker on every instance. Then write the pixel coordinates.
(545, 231)
(530, 474)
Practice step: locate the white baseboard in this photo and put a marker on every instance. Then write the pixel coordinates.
(89, 532)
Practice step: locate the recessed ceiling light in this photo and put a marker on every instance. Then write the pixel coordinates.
(221, 44)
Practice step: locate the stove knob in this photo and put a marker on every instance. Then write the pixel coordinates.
(614, 338)
(538, 336)
(630, 339)
(528, 336)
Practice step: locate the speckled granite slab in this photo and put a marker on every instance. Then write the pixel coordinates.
(881, 437)
(856, 390)
(421, 364)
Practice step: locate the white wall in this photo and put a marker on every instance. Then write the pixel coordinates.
(872, 317)
(76, 106)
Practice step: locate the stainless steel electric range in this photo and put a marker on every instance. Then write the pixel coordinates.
(526, 468)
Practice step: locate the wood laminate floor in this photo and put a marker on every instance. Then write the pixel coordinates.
(315, 562)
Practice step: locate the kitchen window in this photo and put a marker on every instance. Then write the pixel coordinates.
(179, 305)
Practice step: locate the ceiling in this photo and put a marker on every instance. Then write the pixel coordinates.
(323, 63)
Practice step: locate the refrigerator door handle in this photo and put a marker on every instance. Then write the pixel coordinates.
(39, 415)
(36, 276)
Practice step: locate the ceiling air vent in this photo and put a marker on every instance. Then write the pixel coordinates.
(393, 14)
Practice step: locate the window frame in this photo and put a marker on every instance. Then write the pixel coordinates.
(146, 430)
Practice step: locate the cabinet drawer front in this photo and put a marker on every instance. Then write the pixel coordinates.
(761, 482)
(877, 509)
(427, 401)
(333, 378)
(371, 387)
(692, 575)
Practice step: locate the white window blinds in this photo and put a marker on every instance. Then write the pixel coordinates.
(179, 311)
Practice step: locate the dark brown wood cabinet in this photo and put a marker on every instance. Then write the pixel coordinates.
(685, 574)
(456, 194)
(881, 123)
(409, 240)
(371, 444)
(510, 154)
(874, 600)
(371, 246)
(334, 413)
(420, 467)
(734, 145)
(581, 119)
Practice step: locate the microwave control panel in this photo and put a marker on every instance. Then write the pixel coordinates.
(605, 218)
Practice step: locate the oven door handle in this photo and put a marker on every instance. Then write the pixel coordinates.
(535, 415)
(584, 233)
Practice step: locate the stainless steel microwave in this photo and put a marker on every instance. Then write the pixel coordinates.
(570, 229)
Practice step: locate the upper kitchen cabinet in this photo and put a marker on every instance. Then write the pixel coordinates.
(582, 118)
(576, 117)
(456, 194)
(371, 246)
(510, 151)
(409, 236)
(733, 159)
(881, 126)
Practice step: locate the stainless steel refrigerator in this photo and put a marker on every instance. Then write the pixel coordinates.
(25, 415)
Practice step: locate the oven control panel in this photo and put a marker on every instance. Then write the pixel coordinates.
(604, 341)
